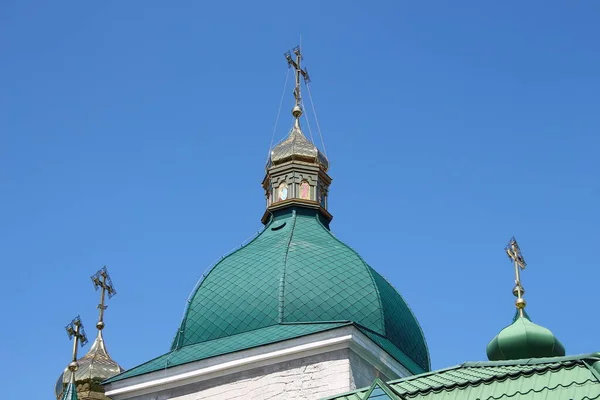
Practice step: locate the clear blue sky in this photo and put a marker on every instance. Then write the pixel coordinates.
(134, 135)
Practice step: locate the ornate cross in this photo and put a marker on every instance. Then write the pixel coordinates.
(514, 253)
(101, 280)
(75, 330)
(297, 111)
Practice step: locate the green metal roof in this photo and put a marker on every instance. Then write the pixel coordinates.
(572, 378)
(294, 271)
(379, 390)
(225, 345)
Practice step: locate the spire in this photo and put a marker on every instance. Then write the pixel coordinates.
(298, 71)
(296, 171)
(514, 253)
(522, 339)
(76, 332)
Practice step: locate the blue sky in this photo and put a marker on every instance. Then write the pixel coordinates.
(134, 135)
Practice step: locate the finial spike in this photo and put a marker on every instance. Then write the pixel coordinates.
(514, 253)
(101, 279)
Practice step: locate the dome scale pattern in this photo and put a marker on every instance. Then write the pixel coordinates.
(296, 271)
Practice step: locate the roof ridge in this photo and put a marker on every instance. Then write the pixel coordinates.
(482, 364)
(453, 386)
(368, 268)
(96, 346)
(387, 389)
(409, 310)
(594, 370)
(281, 305)
(370, 271)
(532, 361)
(498, 372)
(536, 369)
(205, 275)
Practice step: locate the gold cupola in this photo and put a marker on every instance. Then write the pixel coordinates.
(97, 365)
(296, 171)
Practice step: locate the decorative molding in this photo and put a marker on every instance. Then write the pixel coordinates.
(305, 346)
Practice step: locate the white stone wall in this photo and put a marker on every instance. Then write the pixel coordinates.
(309, 367)
(362, 374)
(308, 378)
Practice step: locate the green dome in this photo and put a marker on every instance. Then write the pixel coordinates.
(296, 271)
(524, 339)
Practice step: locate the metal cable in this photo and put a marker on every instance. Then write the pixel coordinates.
(287, 75)
(316, 119)
(308, 124)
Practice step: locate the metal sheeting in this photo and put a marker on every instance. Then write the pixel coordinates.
(297, 147)
(572, 378)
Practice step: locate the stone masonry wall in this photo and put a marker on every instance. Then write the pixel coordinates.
(310, 378)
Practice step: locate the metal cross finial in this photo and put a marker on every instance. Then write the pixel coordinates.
(101, 280)
(514, 253)
(75, 330)
(297, 64)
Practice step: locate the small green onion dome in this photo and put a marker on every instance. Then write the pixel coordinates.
(524, 339)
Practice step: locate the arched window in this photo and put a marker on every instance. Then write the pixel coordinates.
(304, 190)
(282, 191)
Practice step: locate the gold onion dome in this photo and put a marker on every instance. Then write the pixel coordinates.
(95, 367)
(88, 372)
(296, 147)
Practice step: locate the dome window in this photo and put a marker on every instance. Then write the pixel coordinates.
(282, 192)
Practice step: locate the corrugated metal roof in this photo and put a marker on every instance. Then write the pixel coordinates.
(569, 378)
(381, 391)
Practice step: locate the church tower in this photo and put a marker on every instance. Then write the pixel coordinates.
(293, 314)
(296, 170)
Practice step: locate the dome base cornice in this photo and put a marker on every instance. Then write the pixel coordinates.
(291, 203)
